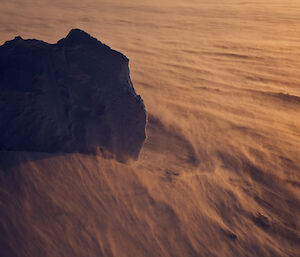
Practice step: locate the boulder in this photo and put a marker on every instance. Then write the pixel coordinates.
(72, 96)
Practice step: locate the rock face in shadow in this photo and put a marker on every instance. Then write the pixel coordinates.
(73, 96)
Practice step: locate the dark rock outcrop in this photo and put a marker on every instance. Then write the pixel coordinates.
(73, 96)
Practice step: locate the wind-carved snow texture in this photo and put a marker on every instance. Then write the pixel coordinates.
(73, 96)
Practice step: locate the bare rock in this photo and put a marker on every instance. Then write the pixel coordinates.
(73, 96)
